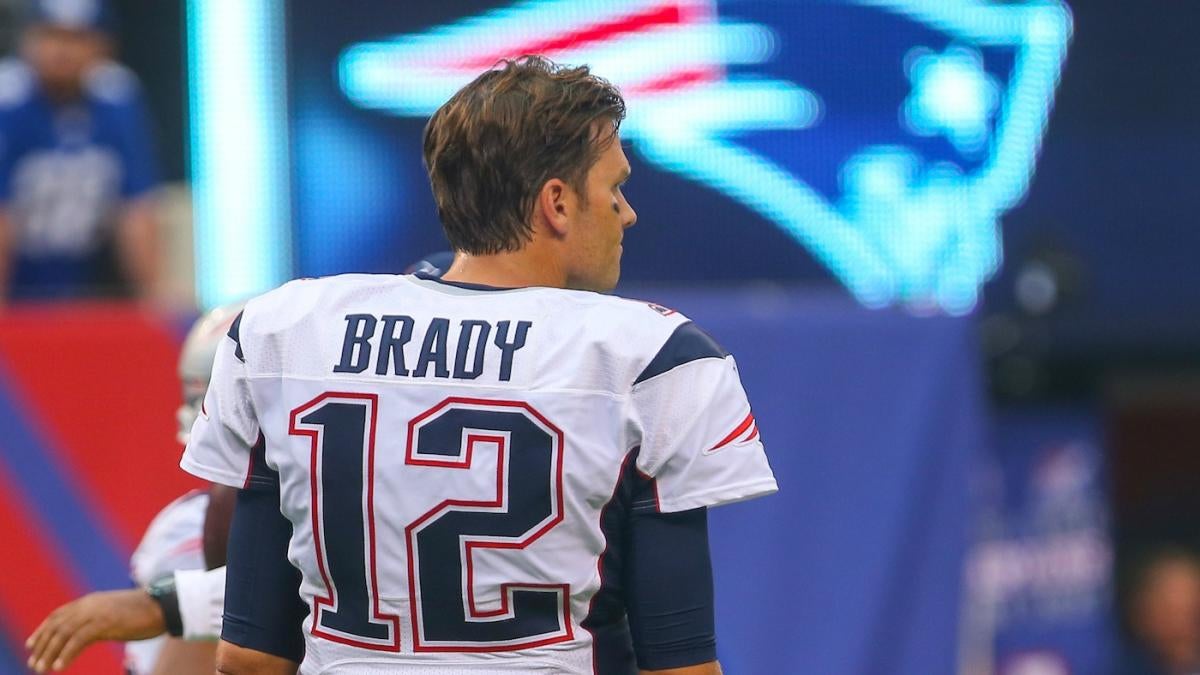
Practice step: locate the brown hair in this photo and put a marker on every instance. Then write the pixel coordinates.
(495, 143)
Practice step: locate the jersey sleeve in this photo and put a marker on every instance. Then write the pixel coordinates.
(699, 441)
(225, 438)
(137, 151)
(117, 88)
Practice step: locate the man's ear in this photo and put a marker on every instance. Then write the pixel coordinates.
(556, 202)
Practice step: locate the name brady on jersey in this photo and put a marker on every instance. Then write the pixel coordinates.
(390, 342)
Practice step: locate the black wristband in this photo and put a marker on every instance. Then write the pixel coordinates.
(163, 593)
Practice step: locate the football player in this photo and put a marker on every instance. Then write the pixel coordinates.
(503, 470)
(179, 564)
(175, 594)
(77, 168)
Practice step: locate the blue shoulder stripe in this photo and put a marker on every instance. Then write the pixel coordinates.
(235, 334)
(688, 343)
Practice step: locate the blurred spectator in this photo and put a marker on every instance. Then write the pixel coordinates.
(76, 170)
(1164, 616)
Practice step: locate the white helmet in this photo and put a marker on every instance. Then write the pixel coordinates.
(196, 362)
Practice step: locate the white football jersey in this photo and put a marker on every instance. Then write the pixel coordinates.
(448, 455)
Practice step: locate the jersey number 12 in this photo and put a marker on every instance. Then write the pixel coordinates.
(527, 503)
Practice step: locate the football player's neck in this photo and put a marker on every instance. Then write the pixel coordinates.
(532, 265)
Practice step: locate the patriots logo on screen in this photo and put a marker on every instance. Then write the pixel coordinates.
(891, 161)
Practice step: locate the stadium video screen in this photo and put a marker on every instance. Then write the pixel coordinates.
(875, 143)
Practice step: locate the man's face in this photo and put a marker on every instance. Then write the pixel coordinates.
(61, 57)
(594, 254)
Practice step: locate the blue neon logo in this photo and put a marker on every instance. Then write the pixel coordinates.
(902, 227)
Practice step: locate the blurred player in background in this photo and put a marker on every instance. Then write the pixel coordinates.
(176, 597)
(76, 166)
(503, 470)
(175, 593)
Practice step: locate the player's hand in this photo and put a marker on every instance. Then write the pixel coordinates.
(105, 615)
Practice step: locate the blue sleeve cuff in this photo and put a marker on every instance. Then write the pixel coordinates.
(263, 610)
(669, 590)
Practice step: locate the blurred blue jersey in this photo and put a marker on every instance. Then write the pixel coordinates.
(65, 171)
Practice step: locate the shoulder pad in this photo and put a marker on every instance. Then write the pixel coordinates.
(16, 82)
(112, 83)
